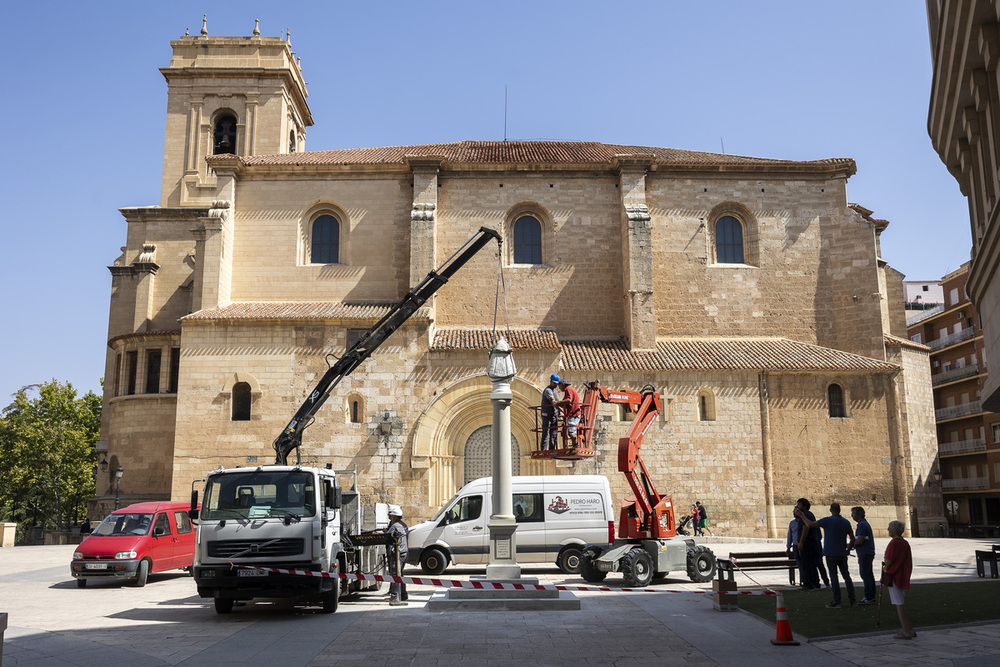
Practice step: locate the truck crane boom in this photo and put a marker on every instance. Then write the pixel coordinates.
(291, 437)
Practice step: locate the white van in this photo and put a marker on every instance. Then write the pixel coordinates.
(556, 516)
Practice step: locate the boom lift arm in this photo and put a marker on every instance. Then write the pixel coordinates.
(647, 514)
(291, 437)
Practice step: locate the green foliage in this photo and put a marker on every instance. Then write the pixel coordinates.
(47, 455)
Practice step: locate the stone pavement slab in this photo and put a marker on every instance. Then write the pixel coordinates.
(52, 622)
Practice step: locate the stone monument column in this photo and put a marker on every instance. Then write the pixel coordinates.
(502, 524)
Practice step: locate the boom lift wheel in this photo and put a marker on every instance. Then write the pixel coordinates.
(637, 568)
(590, 573)
(700, 564)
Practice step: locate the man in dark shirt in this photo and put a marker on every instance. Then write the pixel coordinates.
(809, 544)
(836, 531)
(550, 421)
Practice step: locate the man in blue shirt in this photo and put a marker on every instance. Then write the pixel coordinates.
(864, 547)
(836, 530)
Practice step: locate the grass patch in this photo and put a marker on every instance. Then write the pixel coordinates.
(928, 604)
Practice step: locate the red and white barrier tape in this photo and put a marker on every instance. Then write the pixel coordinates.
(486, 585)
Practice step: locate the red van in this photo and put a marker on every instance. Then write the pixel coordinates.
(134, 541)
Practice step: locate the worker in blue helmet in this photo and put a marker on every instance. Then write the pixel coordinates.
(550, 418)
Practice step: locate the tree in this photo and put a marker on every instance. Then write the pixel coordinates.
(47, 454)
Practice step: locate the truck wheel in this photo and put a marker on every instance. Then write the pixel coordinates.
(587, 569)
(432, 561)
(81, 583)
(224, 605)
(637, 567)
(700, 564)
(570, 560)
(331, 599)
(142, 573)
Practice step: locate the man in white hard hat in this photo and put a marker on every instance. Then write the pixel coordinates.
(398, 529)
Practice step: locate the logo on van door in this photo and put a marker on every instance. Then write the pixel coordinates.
(558, 505)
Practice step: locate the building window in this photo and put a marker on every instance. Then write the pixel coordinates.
(118, 374)
(153, 371)
(325, 240)
(917, 338)
(527, 240)
(728, 240)
(224, 138)
(291, 142)
(706, 406)
(835, 400)
(241, 402)
(175, 368)
(996, 432)
(131, 369)
(355, 412)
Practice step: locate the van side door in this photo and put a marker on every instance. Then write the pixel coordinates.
(529, 511)
(463, 529)
(185, 533)
(161, 544)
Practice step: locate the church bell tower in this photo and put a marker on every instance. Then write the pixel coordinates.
(239, 95)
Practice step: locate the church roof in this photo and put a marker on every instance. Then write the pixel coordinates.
(533, 152)
(675, 354)
(281, 310)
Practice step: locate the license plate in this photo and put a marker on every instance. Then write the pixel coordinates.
(96, 566)
(251, 573)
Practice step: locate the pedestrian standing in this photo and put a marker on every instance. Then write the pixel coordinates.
(838, 536)
(397, 555)
(896, 575)
(809, 545)
(864, 547)
(695, 516)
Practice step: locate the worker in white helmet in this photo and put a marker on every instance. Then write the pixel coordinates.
(396, 527)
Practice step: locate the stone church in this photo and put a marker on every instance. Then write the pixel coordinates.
(747, 291)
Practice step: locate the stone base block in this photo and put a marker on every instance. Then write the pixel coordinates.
(467, 599)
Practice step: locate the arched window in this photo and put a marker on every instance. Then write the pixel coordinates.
(325, 240)
(291, 142)
(527, 240)
(835, 400)
(355, 412)
(241, 402)
(728, 240)
(224, 139)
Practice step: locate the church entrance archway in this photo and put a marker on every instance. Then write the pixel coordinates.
(479, 455)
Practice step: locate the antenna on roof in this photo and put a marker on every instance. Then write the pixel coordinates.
(723, 142)
(505, 113)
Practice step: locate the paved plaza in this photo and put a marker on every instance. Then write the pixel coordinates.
(52, 622)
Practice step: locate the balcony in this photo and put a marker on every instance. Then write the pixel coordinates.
(955, 411)
(962, 447)
(955, 374)
(951, 339)
(966, 484)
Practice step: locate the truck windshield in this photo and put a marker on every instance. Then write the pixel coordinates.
(125, 523)
(259, 495)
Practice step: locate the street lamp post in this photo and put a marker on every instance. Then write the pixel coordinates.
(502, 524)
(118, 486)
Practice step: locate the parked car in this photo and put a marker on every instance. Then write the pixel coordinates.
(557, 516)
(134, 541)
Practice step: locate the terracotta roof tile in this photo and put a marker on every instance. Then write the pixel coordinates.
(318, 310)
(896, 341)
(483, 339)
(531, 152)
(717, 354)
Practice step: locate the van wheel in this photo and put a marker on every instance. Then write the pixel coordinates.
(432, 561)
(570, 560)
(587, 569)
(142, 574)
(81, 583)
(701, 564)
(224, 605)
(637, 568)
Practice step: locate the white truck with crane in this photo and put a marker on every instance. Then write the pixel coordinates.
(647, 545)
(255, 520)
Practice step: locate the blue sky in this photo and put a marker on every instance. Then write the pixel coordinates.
(85, 106)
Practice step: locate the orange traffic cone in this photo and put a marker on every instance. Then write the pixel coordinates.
(784, 627)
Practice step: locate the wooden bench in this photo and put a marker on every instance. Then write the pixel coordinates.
(984, 557)
(765, 560)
